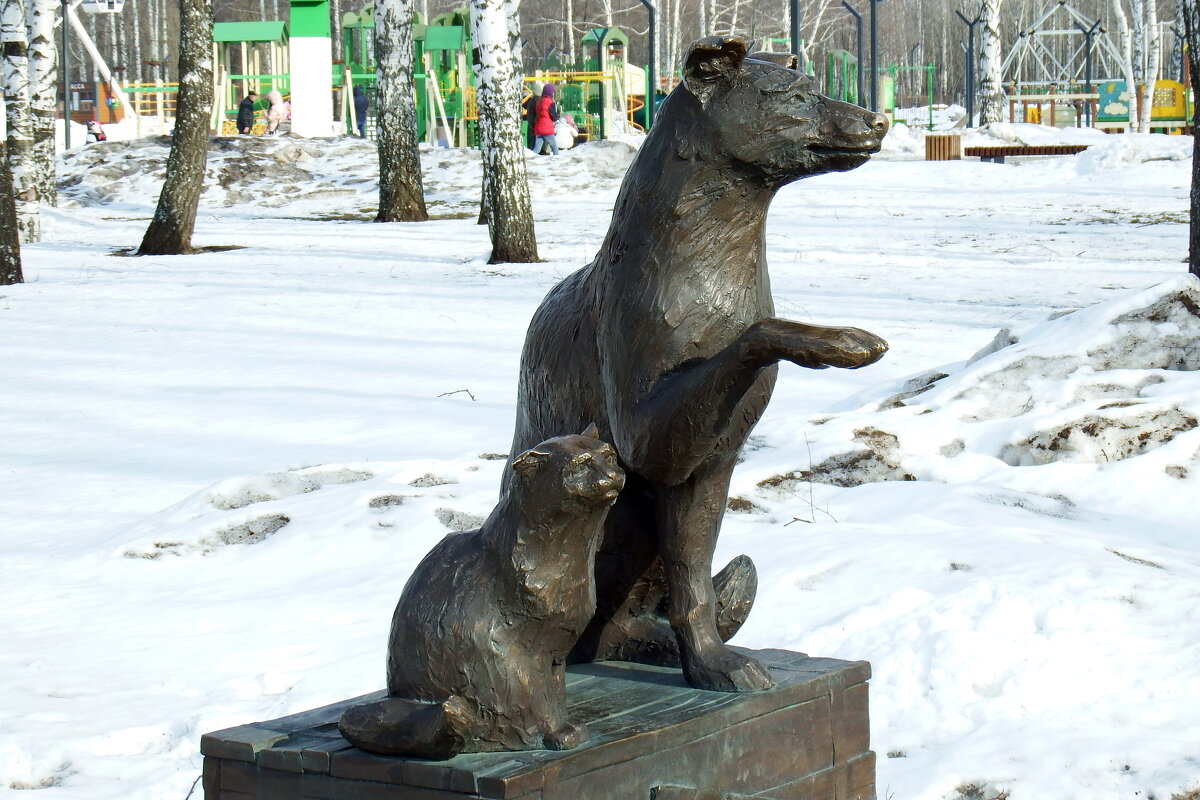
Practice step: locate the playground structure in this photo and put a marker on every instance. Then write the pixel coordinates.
(266, 56)
(603, 94)
(1106, 108)
(1060, 71)
(1063, 69)
(843, 82)
(255, 47)
(445, 92)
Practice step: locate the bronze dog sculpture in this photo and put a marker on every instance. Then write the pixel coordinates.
(482, 630)
(668, 340)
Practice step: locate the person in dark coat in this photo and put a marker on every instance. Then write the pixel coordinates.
(245, 120)
(360, 111)
(527, 109)
(544, 117)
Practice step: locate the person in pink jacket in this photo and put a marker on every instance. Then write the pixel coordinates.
(545, 114)
(278, 112)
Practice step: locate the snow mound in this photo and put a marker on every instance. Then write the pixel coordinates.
(1105, 152)
(316, 501)
(334, 178)
(901, 140)
(260, 172)
(1111, 392)
(1131, 149)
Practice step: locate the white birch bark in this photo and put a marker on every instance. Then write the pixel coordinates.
(401, 193)
(992, 105)
(569, 15)
(110, 29)
(43, 94)
(14, 53)
(1137, 24)
(135, 44)
(1125, 48)
(505, 182)
(1153, 53)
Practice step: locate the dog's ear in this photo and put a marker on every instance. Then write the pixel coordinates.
(711, 65)
(528, 462)
(591, 431)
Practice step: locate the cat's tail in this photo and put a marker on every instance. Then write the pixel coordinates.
(398, 727)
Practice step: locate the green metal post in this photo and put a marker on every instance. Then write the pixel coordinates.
(929, 73)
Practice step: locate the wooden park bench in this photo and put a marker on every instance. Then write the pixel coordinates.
(997, 153)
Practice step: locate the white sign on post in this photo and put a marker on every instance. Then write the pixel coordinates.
(102, 6)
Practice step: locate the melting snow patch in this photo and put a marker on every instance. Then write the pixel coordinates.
(1113, 389)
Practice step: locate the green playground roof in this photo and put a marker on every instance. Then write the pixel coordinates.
(250, 32)
(445, 37)
(605, 35)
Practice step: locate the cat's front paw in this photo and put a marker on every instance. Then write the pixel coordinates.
(568, 736)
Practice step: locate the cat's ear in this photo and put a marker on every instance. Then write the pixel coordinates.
(591, 431)
(528, 462)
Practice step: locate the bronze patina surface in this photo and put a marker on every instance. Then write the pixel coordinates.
(481, 634)
(669, 342)
(652, 735)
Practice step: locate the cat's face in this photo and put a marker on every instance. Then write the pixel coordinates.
(580, 470)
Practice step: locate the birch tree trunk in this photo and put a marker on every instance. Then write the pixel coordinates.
(1191, 33)
(569, 14)
(1150, 76)
(43, 95)
(1125, 47)
(505, 182)
(1137, 23)
(170, 231)
(10, 242)
(1175, 63)
(135, 48)
(991, 90)
(14, 52)
(401, 194)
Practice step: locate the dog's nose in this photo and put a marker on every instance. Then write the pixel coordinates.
(879, 123)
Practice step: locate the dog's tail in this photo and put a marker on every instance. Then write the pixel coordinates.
(399, 727)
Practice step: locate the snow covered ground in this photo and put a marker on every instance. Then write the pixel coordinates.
(218, 470)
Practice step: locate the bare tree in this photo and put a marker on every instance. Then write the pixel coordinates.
(14, 51)
(494, 26)
(401, 194)
(1125, 47)
(170, 231)
(1191, 27)
(43, 95)
(10, 242)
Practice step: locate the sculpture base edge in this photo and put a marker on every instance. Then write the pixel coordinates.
(652, 735)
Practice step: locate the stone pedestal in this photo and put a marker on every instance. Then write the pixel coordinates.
(652, 736)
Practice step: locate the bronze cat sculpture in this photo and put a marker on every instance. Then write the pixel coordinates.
(482, 630)
(669, 341)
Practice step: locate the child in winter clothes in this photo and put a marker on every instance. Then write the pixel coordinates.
(545, 114)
